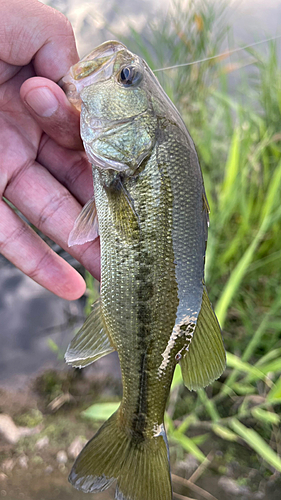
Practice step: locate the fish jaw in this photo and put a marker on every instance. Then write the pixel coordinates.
(112, 110)
(96, 66)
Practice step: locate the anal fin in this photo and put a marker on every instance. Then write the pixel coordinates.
(91, 342)
(204, 362)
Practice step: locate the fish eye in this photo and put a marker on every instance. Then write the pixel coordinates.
(129, 76)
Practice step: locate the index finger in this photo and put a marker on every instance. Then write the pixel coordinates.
(30, 30)
(52, 209)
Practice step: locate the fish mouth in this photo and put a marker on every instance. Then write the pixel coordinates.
(96, 66)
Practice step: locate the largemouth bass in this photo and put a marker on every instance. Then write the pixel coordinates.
(151, 212)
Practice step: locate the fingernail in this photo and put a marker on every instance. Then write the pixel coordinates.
(42, 101)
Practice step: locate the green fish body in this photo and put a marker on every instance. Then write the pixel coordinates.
(152, 213)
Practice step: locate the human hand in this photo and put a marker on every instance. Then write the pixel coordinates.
(44, 172)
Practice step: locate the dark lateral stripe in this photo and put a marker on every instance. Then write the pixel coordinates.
(145, 292)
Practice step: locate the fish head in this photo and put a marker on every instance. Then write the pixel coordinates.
(112, 87)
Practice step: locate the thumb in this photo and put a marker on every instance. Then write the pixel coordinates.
(49, 106)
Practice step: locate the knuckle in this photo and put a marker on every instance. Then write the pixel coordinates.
(14, 236)
(57, 202)
(68, 27)
(42, 263)
(61, 25)
(78, 169)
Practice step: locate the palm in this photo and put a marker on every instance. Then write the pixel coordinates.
(38, 177)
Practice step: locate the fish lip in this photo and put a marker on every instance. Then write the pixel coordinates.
(84, 73)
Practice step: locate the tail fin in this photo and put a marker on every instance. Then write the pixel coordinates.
(140, 466)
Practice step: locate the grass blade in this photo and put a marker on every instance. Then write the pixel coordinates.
(255, 441)
(241, 268)
(101, 411)
(239, 365)
(188, 445)
(275, 393)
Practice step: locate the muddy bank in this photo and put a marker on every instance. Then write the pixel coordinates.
(50, 430)
(42, 431)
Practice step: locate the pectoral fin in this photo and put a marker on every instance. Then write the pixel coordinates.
(86, 227)
(91, 342)
(205, 360)
(123, 212)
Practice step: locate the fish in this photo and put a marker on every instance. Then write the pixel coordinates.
(151, 213)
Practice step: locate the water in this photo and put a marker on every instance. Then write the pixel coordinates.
(29, 317)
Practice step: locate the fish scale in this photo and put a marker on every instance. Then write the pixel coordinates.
(162, 305)
(152, 212)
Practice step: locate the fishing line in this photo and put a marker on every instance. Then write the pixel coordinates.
(227, 53)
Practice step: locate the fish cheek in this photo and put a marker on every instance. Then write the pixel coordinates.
(110, 101)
